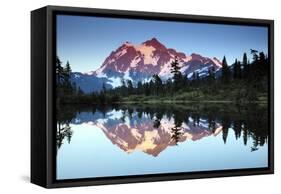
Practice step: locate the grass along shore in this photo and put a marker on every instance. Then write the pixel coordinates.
(189, 97)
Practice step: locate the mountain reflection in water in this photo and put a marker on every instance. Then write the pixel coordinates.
(152, 129)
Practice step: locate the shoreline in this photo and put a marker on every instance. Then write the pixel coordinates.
(190, 101)
(171, 102)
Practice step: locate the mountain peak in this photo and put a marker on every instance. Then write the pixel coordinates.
(195, 55)
(153, 40)
(127, 44)
(154, 43)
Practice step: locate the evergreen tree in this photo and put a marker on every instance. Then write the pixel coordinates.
(158, 84)
(146, 89)
(255, 70)
(59, 70)
(67, 81)
(246, 67)
(67, 72)
(255, 55)
(185, 81)
(245, 59)
(237, 69)
(151, 87)
(169, 86)
(139, 87)
(225, 71)
(177, 76)
(175, 68)
(130, 87)
(262, 64)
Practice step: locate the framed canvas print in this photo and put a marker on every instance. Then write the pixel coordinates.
(125, 96)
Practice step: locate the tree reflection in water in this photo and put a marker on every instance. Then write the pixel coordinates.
(63, 131)
(249, 121)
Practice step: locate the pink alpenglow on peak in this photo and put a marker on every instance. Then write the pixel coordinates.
(141, 61)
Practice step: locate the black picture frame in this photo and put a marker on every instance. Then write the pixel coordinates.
(43, 52)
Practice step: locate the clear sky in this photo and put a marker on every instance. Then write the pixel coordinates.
(86, 41)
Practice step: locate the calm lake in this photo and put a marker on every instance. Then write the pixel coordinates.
(103, 141)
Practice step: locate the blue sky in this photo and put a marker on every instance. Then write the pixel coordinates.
(86, 41)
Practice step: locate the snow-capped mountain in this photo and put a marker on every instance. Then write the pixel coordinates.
(141, 62)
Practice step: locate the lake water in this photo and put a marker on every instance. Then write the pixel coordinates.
(147, 139)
